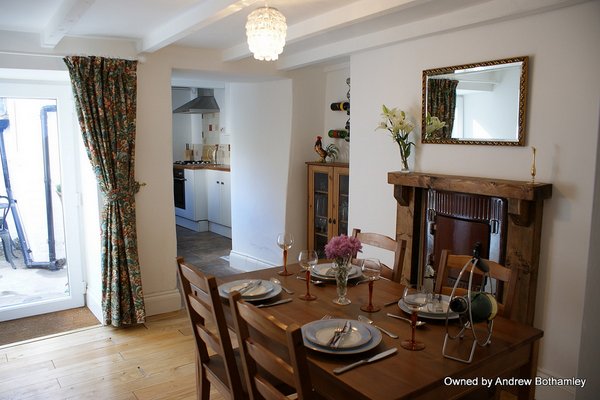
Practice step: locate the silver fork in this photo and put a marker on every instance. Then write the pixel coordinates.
(336, 334)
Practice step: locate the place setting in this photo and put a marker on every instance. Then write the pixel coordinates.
(254, 290)
(340, 336)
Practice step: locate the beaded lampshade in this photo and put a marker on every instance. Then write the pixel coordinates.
(266, 29)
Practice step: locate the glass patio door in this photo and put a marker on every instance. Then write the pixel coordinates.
(41, 265)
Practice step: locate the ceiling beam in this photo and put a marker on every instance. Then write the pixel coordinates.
(329, 21)
(486, 12)
(200, 16)
(66, 16)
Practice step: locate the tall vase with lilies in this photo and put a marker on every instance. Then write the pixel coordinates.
(394, 121)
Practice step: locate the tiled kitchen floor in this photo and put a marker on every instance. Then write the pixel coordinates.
(205, 251)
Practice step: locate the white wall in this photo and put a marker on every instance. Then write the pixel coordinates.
(261, 140)
(563, 114)
(182, 123)
(309, 91)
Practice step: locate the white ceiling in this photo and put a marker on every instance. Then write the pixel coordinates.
(318, 30)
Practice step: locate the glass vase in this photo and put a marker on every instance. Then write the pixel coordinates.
(342, 269)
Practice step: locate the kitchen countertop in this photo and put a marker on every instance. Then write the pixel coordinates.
(218, 167)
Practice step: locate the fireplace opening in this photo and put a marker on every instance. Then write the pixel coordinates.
(456, 221)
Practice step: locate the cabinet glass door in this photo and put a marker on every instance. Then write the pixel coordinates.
(342, 203)
(321, 204)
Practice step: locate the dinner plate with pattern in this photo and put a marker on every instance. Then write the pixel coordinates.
(428, 312)
(321, 332)
(370, 344)
(256, 291)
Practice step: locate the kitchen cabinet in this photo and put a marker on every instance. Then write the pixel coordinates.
(327, 203)
(218, 191)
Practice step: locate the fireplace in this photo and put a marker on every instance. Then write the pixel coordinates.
(437, 212)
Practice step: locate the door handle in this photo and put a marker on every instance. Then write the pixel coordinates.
(334, 221)
(180, 179)
(329, 220)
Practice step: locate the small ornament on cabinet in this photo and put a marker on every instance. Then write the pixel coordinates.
(330, 152)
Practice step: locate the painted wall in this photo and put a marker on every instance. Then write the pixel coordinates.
(182, 123)
(563, 115)
(309, 90)
(261, 145)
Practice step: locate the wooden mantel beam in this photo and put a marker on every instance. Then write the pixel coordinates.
(520, 190)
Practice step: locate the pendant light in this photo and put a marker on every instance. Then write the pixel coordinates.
(266, 30)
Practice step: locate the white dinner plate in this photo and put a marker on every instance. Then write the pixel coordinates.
(325, 272)
(265, 290)
(370, 344)
(428, 312)
(320, 332)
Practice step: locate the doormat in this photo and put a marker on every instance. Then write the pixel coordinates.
(38, 326)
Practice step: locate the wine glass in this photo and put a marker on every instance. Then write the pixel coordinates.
(285, 240)
(371, 269)
(415, 297)
(307, 260)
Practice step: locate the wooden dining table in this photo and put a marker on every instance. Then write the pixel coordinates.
(425, 374)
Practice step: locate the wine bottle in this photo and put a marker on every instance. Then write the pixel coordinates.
(337, 133)
(340, 106)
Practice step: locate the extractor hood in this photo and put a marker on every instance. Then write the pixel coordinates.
(204, 103)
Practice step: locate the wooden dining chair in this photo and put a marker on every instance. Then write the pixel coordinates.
(269, 348)
(505, 292)
(212, 336)
(398, 247)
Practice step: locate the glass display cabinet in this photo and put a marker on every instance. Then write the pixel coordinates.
(328, 188)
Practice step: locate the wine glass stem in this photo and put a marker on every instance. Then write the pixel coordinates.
(285, 260)
(308, 282)
(413, 324)
(370, 294)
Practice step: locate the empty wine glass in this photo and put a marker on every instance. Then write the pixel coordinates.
(415, 297)
(284, 241)
(307, 260)
(371, 270)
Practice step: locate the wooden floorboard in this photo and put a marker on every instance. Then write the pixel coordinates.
(149, 362)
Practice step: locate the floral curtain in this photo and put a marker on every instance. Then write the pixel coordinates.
(441, 103)
(105, 93)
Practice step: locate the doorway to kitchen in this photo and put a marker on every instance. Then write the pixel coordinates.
(201, 177)
(41, 266)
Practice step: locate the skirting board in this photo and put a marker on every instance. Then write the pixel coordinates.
(247, 263)
(162, 302)
(198, 226)
(220, 229)
(155, 303)
(94, 304)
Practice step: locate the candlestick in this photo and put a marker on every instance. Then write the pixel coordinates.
(533, 166)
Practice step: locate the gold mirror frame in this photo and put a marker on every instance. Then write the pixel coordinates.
(520, 140)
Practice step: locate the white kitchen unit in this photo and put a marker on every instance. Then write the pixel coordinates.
(194, 213)
(218, 191)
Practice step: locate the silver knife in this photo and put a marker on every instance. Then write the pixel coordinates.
(365, 361)
(282, 301)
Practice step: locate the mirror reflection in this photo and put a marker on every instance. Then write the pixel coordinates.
(482, 103)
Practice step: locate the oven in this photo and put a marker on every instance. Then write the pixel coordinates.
(179, 188)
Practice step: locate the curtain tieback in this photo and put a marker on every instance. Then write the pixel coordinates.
(121, 194)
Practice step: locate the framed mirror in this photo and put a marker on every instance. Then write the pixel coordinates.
(482, 103)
